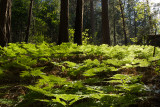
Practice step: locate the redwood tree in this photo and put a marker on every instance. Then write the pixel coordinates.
(79, 22)
(5, 21)
(105, 23)
(63, 27)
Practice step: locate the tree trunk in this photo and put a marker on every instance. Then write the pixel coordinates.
(5, 21)
(29, 21)
(92, 20)
(114, 23)
(129, 22)
(124, 25)
(105, 23)
(135, 24)
(8, 26)
(79, 22)
(63, 27)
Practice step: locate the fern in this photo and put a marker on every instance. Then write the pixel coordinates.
(34, 72)
(93, 71)
(128, 83)
(7, 102)
(70, 64)
(125, 78)
(79, 80)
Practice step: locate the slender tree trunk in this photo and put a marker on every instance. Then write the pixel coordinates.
(92, 19)
(124, 25)
(114, 23)
(154, 51)
(33, 30)
(129, 22)
(105, 23)
(79, 22)
(63, 27)
(135, 24)
(5, 21)
(8, 26)
(29, 21)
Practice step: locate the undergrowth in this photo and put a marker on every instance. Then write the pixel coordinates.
(73, 76)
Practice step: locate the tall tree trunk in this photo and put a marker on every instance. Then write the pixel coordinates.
(129, 22)
(8, 26)
(105, 23)
(5, 21)
(92, 19)
(79, 22)
(29, 21)
(135, 24)
(154, 51)
(63, 27)
(124, 25)
(114, 23)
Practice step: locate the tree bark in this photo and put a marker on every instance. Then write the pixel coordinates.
(114, 23)
(92, 19)
(5, 21)
(124, 25)
(8, 26)
(135, 24)
(79, 22)
(29, 21)
(63, 27)
(105, 23)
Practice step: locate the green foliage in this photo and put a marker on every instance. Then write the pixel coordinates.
(140, 8)
(1, 71)
(6, 102)
(36, 39)
(34, 72)
(71, 35)
(67, 74)
(135, 40)
(125, 79)
(128, 83)
(19, 19)
(85, 36)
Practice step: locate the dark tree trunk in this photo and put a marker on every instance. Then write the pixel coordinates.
(29, 21)
(114, 31)
(105, 23)
(124, 25)
(135, 24)
(63, 27)
(8, 26)
(92, 19)
(79, 22)
(114, 23)
(129, 22)
(5, 21)
(154, 51)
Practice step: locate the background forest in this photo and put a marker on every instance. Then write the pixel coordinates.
(130, 21)
(79, 53)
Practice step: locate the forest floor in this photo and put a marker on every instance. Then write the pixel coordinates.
(76, 76)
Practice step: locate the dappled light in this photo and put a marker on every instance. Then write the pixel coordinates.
(79, 53)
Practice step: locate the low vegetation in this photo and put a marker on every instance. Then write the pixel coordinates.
(68, 75)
